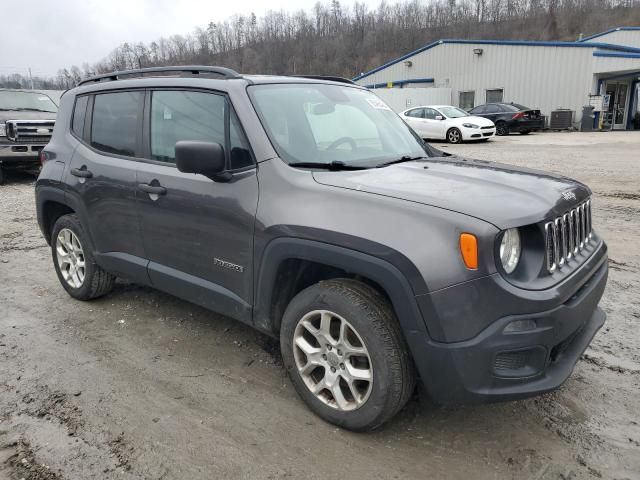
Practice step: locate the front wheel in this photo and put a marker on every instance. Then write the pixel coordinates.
(454, 136)
(344, 352)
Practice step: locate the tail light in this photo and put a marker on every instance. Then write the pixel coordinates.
(46, 156)
(517, 116)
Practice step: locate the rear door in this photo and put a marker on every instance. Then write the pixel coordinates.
(198, 233)
(102, 178)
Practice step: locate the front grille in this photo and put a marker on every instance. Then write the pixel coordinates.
(487, 128)
(567, 235)
(29, 131)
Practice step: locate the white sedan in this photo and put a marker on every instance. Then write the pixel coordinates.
(444, 122)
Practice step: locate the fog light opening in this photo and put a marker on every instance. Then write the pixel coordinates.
(520, 326)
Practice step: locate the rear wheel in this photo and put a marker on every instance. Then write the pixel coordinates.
(345, 355)
(502, 129)
(77, 271)
(454, 136)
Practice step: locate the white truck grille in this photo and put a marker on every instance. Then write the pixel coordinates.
(29, 131)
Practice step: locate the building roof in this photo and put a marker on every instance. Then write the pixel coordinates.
(526, 43)
(617, 29)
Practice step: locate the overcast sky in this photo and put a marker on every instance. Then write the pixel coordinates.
(50, 34)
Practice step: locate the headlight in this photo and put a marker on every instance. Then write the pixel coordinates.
(3, 130)
(470, 125)
(510, 250)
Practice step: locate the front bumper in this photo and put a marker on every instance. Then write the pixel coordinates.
(19, 153)
(496, 365)
(477, 133)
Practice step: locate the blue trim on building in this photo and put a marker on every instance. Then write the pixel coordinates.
(400, 82)
(617, 29)
(525, 43)
(616, 55)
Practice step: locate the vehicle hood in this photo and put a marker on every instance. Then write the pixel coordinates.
(20, 115)
(480, 121)
(503, 195)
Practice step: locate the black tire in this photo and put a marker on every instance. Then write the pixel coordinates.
(454, 135)
(96, 282)
(370, 314)
(525, 132)
(502, 129)
(1, 175)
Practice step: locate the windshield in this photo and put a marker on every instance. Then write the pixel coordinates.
(34, 101)
(453, 112)
(320, 123)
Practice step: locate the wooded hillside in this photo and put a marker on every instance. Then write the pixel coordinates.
(339, 39)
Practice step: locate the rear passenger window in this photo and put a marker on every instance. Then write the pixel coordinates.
(79, 114)
(114, 123)
(182, 115)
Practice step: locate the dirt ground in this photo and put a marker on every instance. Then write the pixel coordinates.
(142, 385)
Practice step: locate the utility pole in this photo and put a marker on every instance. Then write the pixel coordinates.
(30, 78)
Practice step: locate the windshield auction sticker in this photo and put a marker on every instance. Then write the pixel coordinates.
(377, 103)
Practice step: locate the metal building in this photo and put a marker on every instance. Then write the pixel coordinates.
(602, 70)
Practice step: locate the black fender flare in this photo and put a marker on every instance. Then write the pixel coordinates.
(44, 195)
(385, 274)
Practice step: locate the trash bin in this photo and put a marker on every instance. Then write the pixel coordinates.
(586, 125)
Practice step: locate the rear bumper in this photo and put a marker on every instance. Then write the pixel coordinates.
(496, 365)
(526, 125)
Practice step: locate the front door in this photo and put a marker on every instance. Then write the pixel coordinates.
(198, 233)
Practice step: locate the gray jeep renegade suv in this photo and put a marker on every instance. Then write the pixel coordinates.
(306, 208)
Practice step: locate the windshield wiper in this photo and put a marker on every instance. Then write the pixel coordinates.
(405, 158)
(25, 109)
(334, 165)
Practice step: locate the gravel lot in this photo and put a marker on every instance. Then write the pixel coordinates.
(142, 385)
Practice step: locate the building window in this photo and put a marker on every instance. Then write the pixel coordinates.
(467, 100)
(495, 95)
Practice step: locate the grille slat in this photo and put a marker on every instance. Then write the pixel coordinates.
(567, 235)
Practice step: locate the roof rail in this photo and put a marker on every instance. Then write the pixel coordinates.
(192, 69)
(327, 77)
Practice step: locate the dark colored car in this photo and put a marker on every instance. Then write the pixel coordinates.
(510, 117)
(26, 123)
(308, 209)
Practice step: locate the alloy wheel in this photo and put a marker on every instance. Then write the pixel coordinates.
(454, 136)
(333, 360)
(70, 257)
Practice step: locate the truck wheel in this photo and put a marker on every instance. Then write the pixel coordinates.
(502, 129)
(344, 352)
(77, 271)
(454, 136)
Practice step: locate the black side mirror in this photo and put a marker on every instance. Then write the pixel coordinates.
(205, 158)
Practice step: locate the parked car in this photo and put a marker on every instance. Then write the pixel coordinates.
(26, 123)
(510, 117)
(445, 122)
(306, 208)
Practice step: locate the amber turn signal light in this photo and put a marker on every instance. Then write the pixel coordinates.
(469, 250)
